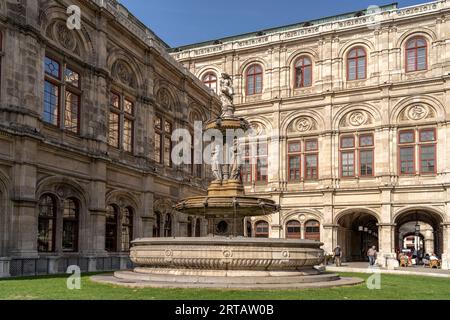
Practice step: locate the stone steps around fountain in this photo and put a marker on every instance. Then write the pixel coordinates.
(130, 275)
(323, 282)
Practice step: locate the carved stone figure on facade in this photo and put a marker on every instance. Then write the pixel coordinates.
(226, 95)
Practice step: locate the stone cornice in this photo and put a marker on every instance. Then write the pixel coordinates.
(280, 37)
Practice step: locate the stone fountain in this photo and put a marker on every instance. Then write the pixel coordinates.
(225, 258)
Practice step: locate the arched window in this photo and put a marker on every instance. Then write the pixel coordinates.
(312, 230)
(71, 215)
(121, 122)
(127, 229)
(261, 229)
(46, 224)
(198, 225)
(62, 80)
(112, 218)
(254, 79)
(157, 225)
(303, 72)
(357, 64)
(189, 227)
(210, 80)
(416, 54)
(168, 226)
(293, 230)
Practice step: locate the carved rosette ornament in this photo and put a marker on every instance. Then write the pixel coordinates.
(417, 112)
(164, 100)
(357, 118)
(123, 73)
(303, 124)
(257, 128)
(65, 37)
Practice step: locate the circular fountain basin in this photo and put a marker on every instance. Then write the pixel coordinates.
(223, 253)
(222, 262)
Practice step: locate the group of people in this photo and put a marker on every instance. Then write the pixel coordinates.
(371, 255)
(417, 256)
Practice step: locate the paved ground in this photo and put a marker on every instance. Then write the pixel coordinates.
(363, 267)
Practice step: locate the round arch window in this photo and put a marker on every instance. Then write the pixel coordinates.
(293, 230)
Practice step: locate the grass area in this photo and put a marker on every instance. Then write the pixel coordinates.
(392, 287)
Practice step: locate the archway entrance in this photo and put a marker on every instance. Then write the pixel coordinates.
(357, 232)
(419, 230)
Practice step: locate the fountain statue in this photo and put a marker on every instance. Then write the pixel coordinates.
(227, 257)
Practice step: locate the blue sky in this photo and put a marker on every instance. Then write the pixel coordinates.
(181, 22)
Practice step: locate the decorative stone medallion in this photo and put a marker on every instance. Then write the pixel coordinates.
(417, 112)
(257, 128)
(65, 37)
(122, 73)
(304, 124)
(163, 98)
(358, 118)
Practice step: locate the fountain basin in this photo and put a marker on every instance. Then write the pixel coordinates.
(224, 253)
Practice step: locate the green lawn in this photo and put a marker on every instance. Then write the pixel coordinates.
(392, 287)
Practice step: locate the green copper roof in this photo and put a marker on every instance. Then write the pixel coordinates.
(348, 15)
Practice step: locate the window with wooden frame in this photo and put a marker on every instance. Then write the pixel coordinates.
(303, 72)
(71, 214)
(62, 95)
(312, 230)
(294, 160)
(255, 162)
(366, 155)
(121, 122)
(261, 229)
(357, 64)
(261, 168)
(47, 224)
(357, 151)
(293, 230)
(127, 228)
(112, 222)
(210, 80)
(311, 159)
(254, 79)
(416, 54)
(157, 152)
(306, 152)
(425, 145)
(163, 141)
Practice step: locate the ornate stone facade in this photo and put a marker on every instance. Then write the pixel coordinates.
(68, 193)
(388, 96)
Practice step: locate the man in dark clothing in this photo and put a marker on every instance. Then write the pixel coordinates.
(337, 255)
